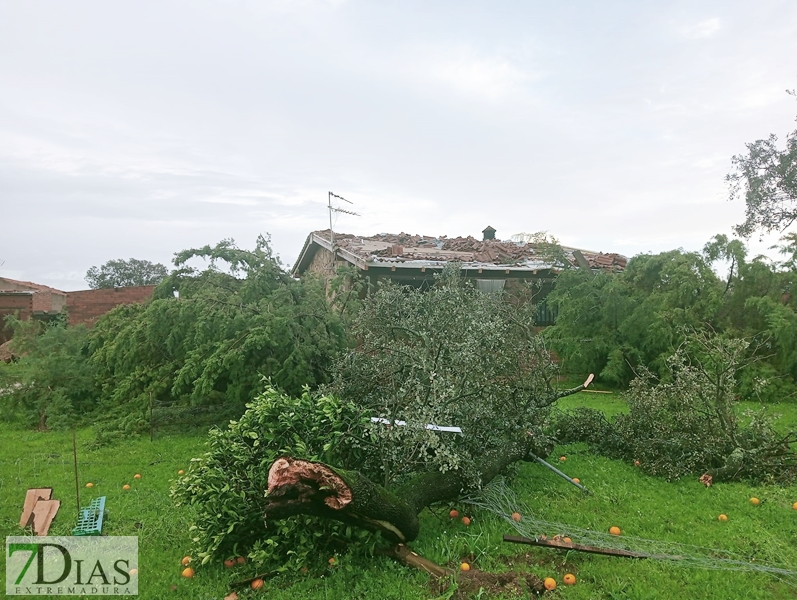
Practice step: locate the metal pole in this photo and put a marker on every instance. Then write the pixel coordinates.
(331, 233)
(558, 472)
(77, 484)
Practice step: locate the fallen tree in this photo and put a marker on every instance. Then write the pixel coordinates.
(458, 386)
(445, 390)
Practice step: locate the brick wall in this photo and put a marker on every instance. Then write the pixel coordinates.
(19, 303)
(89, 305)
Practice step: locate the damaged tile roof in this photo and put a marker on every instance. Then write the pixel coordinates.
(406, 250)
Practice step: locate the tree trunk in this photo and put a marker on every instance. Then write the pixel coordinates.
(298, 486)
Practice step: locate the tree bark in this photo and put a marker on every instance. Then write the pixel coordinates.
(298, 486)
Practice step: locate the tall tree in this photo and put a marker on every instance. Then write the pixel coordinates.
(124, 273)
(766, 177)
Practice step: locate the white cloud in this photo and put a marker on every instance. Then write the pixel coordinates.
(492, 78)
(703, 29)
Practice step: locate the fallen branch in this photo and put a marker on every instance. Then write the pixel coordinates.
(559, 545)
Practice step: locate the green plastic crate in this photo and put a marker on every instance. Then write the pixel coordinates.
(90, 520)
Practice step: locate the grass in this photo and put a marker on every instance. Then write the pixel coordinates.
(643, 506)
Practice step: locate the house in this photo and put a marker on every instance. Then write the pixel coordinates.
(413, 260)
(26, 299)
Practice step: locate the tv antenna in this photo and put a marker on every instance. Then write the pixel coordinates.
(338, 210)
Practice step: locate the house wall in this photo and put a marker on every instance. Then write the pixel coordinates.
(89, 305)
(11, 303)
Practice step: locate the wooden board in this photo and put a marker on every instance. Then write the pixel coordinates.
(43, 515)
(31, 498)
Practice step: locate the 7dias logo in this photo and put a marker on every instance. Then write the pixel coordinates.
(71, 566)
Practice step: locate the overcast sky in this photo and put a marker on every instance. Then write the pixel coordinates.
(139, 129)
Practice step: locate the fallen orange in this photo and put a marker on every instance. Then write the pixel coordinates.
(562, 458)
(180, 472)
(125, 487)
(576, 480)
(257, 584)
(240, 560)
(454, 513)
(636, 463)
(569, 579)
(465, 521)
(230, 563)
(188, 572)
(186, 560)
(794, 506)
(755, 501)
(464, 567)
(89, 484)
(137, 476)
(567, 540)
(332, 561)
(614, 530)
(516, 517)
(722, 518)
(549, 583)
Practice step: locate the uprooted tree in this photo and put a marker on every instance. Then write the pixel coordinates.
(427, 361)
(425, 364)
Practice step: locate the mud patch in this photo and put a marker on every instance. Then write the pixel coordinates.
(470, 583)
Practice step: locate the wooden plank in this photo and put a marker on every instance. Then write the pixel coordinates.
(32, 496)
(43, 515)
(559, 545)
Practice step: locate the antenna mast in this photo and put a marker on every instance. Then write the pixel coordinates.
(336, 209)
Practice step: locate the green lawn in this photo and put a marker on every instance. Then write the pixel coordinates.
(642, 506)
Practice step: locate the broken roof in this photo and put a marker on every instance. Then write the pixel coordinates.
(12, 285)
(414, 251)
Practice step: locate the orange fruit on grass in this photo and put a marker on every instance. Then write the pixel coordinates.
(230, 563)
(569, 579)
(188, 572)
(465, 521)
(562, 458)
(240, 560)
(516, 517)
(722, 518)
(549, 583)
(615, 530)
(185, 561)
(794, 506)
(89, 484)
(636, 463)
(567, 540)
(125, 487)
(454, 513)
(576, 480)
(464, 567)
(755, 501)
(180, 472)
(332, 561)
(137, 476)
(257, 584)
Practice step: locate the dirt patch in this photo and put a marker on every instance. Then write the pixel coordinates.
(470, 583)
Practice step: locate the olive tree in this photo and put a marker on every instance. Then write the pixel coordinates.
(457, 386)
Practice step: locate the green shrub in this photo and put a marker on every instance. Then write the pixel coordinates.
(226, 486)
(687, 424)
(51, 386)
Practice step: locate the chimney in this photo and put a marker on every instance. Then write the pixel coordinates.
(489, 233)
(396, 250)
